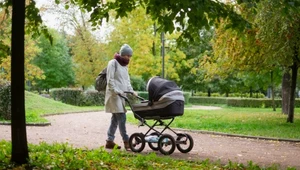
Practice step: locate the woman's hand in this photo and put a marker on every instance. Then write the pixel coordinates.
(135, 93)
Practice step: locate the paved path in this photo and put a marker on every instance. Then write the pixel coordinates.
(89, 130)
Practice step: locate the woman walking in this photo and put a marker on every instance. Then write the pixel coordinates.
(118, 81)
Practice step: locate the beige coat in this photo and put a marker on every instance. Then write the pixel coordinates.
(118, 81)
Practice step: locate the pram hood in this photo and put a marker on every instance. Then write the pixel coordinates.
(158, 87)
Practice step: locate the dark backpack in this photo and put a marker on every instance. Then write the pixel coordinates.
(101, 82)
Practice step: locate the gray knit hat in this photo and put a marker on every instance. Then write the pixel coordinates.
(126, 50)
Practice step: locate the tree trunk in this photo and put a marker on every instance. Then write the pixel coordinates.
(285, 91)
(208, 92)
(290, 118)
(18, 121)
(273, 93)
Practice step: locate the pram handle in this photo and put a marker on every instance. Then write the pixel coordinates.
(129, 92)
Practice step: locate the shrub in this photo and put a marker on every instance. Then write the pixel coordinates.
(93, 98)
(5, 100)
(138, 83)
(246, 95)
(239, 102)
(207, 100)
(245, 102)
(68, 96)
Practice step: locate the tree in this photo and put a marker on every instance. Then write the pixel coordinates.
(193, 78)
(34, 25)
(18, 127)
(89, 57)
(256, 50)
(87, 52)
(140, 37)
(55, 61)
(32, 72)
(280, 20)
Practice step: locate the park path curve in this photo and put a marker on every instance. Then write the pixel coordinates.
(89, 130)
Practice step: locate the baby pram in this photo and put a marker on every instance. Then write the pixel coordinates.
(166, 101)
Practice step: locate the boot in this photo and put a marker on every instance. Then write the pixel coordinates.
(111, 145)
(126, 146)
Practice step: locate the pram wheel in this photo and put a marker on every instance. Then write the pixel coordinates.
(166, 144)
(137, 142)
(154, 145)
(184, 142)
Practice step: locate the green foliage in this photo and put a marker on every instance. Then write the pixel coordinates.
(31, 71)
(193, 78)
(138, 84)
(196, 100)
(279, 20)
(167, 13)
(55, 61)
(5, 100)
(34, 22)
(64, 156)
(142, 40)
(4, 50)
(5, 23)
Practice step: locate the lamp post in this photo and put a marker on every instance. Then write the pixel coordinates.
(163, 53)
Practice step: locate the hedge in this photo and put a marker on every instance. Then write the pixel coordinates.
(196, 100)
(77, 97)
(239, 102)
(5, 100)
(68, 96)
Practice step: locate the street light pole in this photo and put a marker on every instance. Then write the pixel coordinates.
(163, 53)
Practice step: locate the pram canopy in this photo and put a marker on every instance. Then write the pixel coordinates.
(166, 100)
(157, 87)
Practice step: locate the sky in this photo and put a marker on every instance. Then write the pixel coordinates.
(54, 20)
(49, 19)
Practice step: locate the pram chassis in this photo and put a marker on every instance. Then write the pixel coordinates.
(165, 143)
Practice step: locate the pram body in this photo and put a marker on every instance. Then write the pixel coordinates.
(165, 102)
(168, 107)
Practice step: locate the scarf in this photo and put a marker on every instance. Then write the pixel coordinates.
(121, 60)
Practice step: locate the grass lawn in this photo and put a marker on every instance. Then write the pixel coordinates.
(37, 106)
(244, 121)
